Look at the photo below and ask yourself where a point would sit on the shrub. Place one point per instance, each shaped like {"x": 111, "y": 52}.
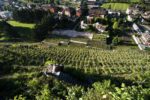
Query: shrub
{"x": 41, "y": 29}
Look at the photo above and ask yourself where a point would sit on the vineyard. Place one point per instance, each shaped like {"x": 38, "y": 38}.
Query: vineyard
{"x": 122, "y": 65}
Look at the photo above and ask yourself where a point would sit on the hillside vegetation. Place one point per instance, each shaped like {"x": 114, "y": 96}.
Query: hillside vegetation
{"x": 124, "y": 70}
{"x": 16, "y": 31}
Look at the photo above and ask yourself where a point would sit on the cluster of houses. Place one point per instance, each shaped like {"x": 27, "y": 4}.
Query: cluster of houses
{"x": 95, "y": 11}
{"x": 5, "y": 14}
{"x": 68, "y": 11}
{"x": 60, "y": 10}
{"x": 135, "y": 12}
{"x": 144, "y": 37}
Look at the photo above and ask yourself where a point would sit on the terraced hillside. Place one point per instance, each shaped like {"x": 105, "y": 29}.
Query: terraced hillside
{"x": 22, "y": 67}
{"x": 120, "y": 61}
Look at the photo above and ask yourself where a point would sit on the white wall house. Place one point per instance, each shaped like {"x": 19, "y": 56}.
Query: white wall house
{"x": 133, "y": 11}
{"x": 136, "y": 28}
{"x": 6, "y": 14}
{"x": 83, "y": 25}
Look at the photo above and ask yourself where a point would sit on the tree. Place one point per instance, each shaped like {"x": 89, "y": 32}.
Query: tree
{"x": 41, "y": 30}
{"x": 45, "y": 94}
{"x": 115, "y": 25}
{"x": 8, "y": 30}
{"x": 28, "y": 15}
{"x": 84, "y": 7}
{"x": 116, "y": 40}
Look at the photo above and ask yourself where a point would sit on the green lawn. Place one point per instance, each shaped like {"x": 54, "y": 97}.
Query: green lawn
{"x": 25, "y": 30}
{"x": 56, "y": 40}
{"x": 99, "y": 37}
{"x": 116, "y": 6}
{"x": 3, "y": 37}
{"x": 19, "y": 24}
{"x": 134, "y": 0}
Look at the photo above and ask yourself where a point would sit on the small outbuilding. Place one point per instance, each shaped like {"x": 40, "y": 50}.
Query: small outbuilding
{"x": 54, "y": 68}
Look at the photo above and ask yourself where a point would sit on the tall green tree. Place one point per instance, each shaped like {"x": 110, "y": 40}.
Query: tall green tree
{"x": 115, "y": 25}
{"x": 84, "y": 7}
{"x": 42, "y": 29}
{"x": 8, "y": 30}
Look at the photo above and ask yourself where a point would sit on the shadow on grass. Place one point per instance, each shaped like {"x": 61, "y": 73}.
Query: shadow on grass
{"x": 89, "y": 78}
{"x": 25, "y": 33}
{"x": 9, "y": 87}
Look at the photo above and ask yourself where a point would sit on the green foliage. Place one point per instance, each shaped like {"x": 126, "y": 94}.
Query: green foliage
{"x": 100, "y": 86}
{"x": 107, "y": 70}
{"x": 101, "y": 61}
{"x": 8, "y": 30}
{"x": 84, "y": 7}
{"x": 51, "y": 22}
{"x": 33, "y": 83}
{"x": 28, "y": 15}
{"x": 44, "y": 27}
{"x": 74, "y": 92}
{"x": 45, "y": 93}
{"x": 50, "y": 62}
{"x": 130, "y": 93}
{"x": 99, "y": 91}
{"x": 115, "y": 25}
{"x": 20, "y": 97}
{"x": 24, "y": 30}
{"x": 125, "y": 1}
{"x": 116, "y": 40}
{"x": 104, "y": 90}
{"x": 19, "y": 24}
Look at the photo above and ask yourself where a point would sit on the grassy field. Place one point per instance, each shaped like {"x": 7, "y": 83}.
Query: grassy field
{"x": 19, "y": 24}
{"x": 25, "y": 30}
{"x": 3, "y": 37}
{"x": 116, "y": 6}
{"x": 99, "y": 37}
{"x": 134, "y": 0}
